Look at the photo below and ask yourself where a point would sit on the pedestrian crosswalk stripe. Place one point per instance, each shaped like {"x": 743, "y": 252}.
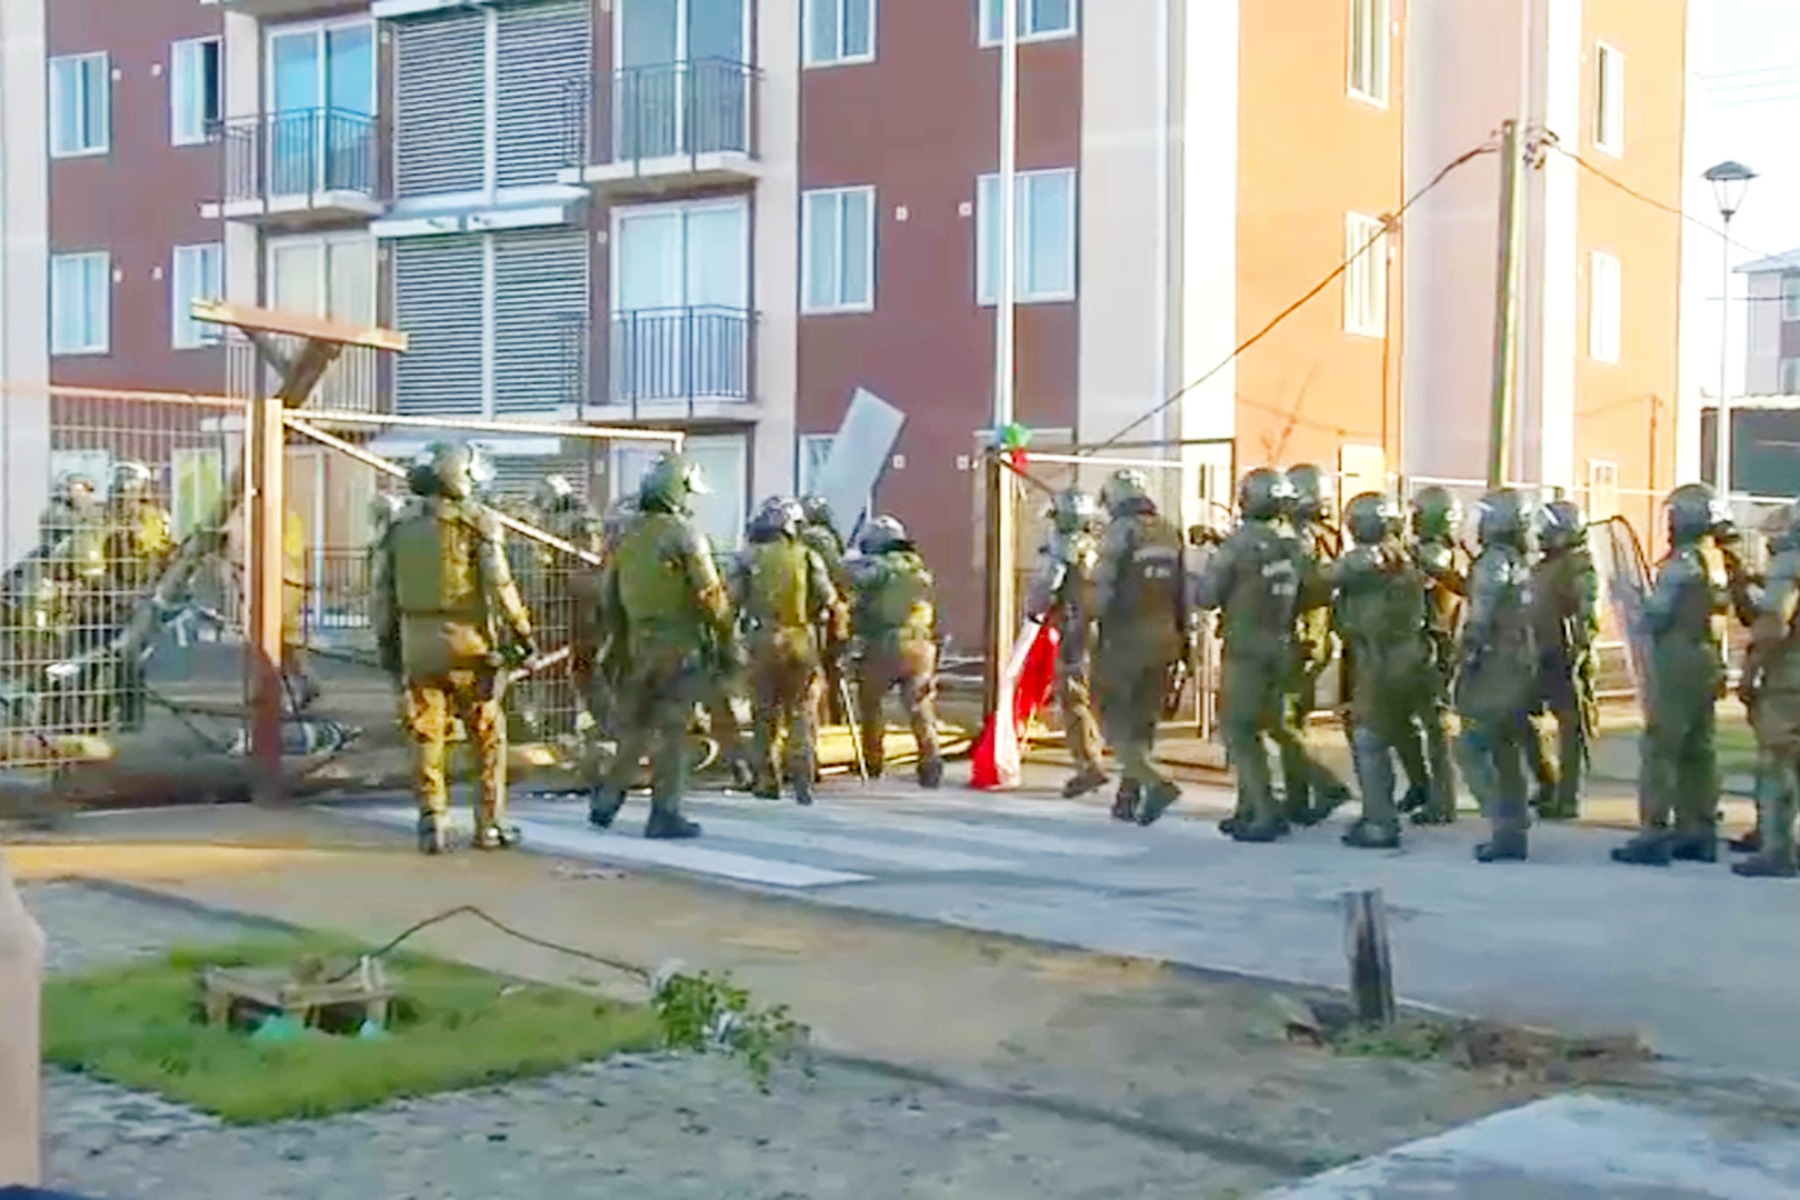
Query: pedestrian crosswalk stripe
{"x": 871, "y": 848}
{"x": 563, "y": 836}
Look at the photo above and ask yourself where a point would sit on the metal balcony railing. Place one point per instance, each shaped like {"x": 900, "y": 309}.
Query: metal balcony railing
{"x": 685, "y": 109}
{"x": 675, "y": 354}
{"x": 355, "y": 382}
{"x": 299, "y": 153}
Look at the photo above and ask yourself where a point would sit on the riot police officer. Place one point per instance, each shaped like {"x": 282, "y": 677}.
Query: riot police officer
{"x": 668, "y": 630}
{"x": 448, "y": 619}
{"x": 1770, "y": 690}
{"x": 1062, "y": 591}
{"x": 820, "y": 534}
{"x": 894, "y": 624}
{"x": 1445, "y": 565}
{"x": 1379, "y": 610}
{"x": 1678, "y": 783}
{"x": 1313, "y": 790}
{"x": 1565, "y": 598}
{"x": 1498, "y": 680}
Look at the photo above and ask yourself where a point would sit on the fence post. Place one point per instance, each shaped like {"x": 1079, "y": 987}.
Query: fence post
{"x": 1371, "y": 966}
{"x": 267, "y": 448}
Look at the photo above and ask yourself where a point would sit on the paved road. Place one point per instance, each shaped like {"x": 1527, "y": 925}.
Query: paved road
{"x": 1703, "y": 962}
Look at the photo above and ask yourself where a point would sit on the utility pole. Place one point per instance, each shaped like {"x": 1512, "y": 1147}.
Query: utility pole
{"x": 1002, "y": 582}
{"x": 1506, "y": 305}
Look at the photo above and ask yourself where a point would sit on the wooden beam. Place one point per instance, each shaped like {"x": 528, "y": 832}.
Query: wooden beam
{"x": 319, "y": 329}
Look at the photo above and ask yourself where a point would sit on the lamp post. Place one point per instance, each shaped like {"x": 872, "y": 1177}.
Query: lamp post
{"x": 1730, "y": 180}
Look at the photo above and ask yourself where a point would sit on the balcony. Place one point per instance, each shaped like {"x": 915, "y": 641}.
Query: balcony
{"x": 294, "y": 169}
{"x": 670, "y": 126}
{"x": 273, "y": 10}
{"x": 356, "y": 382}
{"x": 665, "y": 363}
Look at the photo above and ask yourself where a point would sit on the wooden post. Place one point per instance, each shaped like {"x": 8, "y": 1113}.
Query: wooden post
{"x": 21, "y": 1058}
{"x": 1506, "y": 305}
{"x": 1371, "y": 967}
{"x": 266, "y": 449}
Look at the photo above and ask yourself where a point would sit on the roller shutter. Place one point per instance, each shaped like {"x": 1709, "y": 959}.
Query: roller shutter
{"x": 544, "y": 76}
{"x": 440, "y": 119}
{"x": 540, "y": 319}
{"x": 438, "y": 305}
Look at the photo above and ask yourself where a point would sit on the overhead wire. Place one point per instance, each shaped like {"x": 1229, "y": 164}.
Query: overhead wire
{"x": 1389, "y": 222}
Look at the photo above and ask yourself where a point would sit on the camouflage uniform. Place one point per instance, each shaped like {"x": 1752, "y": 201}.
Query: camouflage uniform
{"x": 1565, "y": 598}
{"x": 1678, "y": 782}
{"x": 1256, "y": 577}
{"x": 140, "y": 542}
{"x": 447, "y": 617}
{"x": 1446, "y": 568}
{"x": 1062, "y": 591}
{"x": 569, "y": 583}
{"x": 1380, "y": 610}
{"x": 1770, "y": 690}
{"x": 668, "y": 629}
{"x": 894, "y": 624}
{"x": 784, "y": 594}
{"x": 820, "y": 535}
{"x": 1313, "y": 790}
{"x": 1497, "y": 683}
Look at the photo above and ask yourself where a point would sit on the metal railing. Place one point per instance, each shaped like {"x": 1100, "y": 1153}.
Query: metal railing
{"x": 356, "y": 382}
{"x": 664, "y": 354}
{"x": 299, "y": 153}
{"x": 667, "y": 110}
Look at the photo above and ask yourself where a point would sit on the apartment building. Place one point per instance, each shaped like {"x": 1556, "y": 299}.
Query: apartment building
{"x": 1772, "y": 350}
{"x": 727, "y": 215}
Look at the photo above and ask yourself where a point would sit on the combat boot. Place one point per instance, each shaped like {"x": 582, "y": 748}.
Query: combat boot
{"x": 931, "y": 773}
{"x": 1089, "y": 779}
{"x": 743, "y": 776}
{"x": 1256, "y": 831}
{"x": 1766, "y": 866}
{"x": 803, "y": 788}
{"x": 1695, "y": 847}
{"x": 1504, "y": 848}
{"x": 767, "y": 789}
{"x": 1645, "y": 850}
{"x": 670, "y": 825}
{"x": 1162, "y": 795}
{"x": 1750, "y": 843}
{"x": 1414, "y": 801}
{"x": 1332, "y": 796}
{"x": 495, "y": 837}
{"x": 1366, "y": 834}
{"x": 433, "y": 837}
{"x": 1125, "y": 801}
{"x": 1432, "y": 815}
{"x": 603, "y": 805}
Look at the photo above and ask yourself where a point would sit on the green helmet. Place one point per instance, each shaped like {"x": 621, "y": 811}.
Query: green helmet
{"x": 1694, "y": 512}
{"x": 1560, "y": 525}
{"x": 778, "y": 517}
{"x": 76, "y": 491}
{"x": 1127, "y": 491}
{"x": 1308, "y": 482}
{"x": 1781, "y": 528}
{"x": 1503, "y": 518}
{"x": 814, "y": 510}
{"x": 1072, "y": 510}
{"x": 1371, "y": 517}
{"x": 882, "y": 534}
{"x": 1264, "y": 494}
{"x": 669, "y": 483}
{"x": 457, "y": 470}
{"x": 1436, "y": 514}
{"x": 130, "y": 479}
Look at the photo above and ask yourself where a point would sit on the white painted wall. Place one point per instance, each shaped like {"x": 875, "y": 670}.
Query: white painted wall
{"x": 24, "y": 276}
{"x": 1547, "y": 454}
{"x": 777, "y": 247}
{"x": 243, "y": 74}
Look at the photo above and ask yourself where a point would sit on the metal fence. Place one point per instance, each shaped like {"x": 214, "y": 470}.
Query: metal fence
{"x": 299, "y": 153}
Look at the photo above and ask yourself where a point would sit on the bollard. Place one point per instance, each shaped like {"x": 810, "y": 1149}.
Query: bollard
{"x": 1371, "y": 967}
{"x": 21, "y": 1001}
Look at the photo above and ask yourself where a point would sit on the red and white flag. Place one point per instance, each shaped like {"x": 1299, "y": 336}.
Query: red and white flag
{"x": 1025, "y": 687}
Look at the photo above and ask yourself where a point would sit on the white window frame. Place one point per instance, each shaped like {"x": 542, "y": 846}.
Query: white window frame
{"x": 185, "y": 333}
{"x": 187, "y": 82}
{"x": 321, "y": 29}
{"x": 1365, "y": 275}
{"x": 1602, "y": 489}
{"x": 101, "y": 62}
{"x": 1374, "y": 84}
{"x": 1790, "y": 297}
{"x": 1788, "y": 377}
{"x": 838, "y": 302}
{"x": 1609, "y": 99}
{"x": 1606, "y": 300}
{"x": 98, "y": 321}
{"x": 989, "y": 14}
{"x": 323, "y": 242}
{"x": 838, "y": 58}
{"x": 987, "y": 275}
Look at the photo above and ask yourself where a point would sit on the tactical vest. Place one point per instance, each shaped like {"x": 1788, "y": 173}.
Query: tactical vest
{"x": 435, "y": 564}
{"x": 1381, "y": 608}
{"x": 1149, "y": 586}
{"x": 897, "y": 602}
{"x": 778, "y": 596}
{"x": 1260, "y": 607}
{"x": 652, "y": 571}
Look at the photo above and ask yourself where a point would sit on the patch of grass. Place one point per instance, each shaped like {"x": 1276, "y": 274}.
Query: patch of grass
{"x": 1413, "y": 1041}
{"x": 456, "y": 1027}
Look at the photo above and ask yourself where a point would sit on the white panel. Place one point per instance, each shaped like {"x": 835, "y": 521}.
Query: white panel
{"x": 776, "y": 236}
{"x": 1561, "y": 283}
{"x": 1208, "y": 187}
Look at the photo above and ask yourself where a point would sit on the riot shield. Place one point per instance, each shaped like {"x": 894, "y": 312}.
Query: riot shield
{"x": 1625, "y": 582}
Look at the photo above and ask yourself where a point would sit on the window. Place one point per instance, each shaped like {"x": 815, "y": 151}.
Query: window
{"x": 1604, "y": 299}
{"x": 1603, "y": 489}
{"x": 194, "y": 91}
{"x": 80, "y": 303}
{"x": 1038, "y": 19}
{"x": 1790, "y": 297}
{"x": 1790, "y": 377}
{"x": 838, "y": 262}
{"x": 1609, "y": 99}
{"x": 839, "y": 31}
{"x": 198, "y": 483}
{"x": 1043, "y": 237}
{"x": 1369, "y": 42}
{"x": 80, "y": 105}
{"x": 197, "y": 273}
{"x": 1365, "y": 278}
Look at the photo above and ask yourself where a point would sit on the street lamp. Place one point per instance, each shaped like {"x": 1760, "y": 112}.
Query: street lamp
{"x": 1730, "y": 180}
